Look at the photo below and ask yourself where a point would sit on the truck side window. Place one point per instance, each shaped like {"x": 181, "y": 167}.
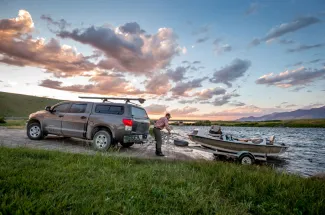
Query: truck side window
{"x": 62, "y": 108}
{"x": 109, "y": 109}
{"x": 78, "y": 108}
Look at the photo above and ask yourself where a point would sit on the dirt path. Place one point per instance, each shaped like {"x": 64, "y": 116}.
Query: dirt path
{"x": 18, "y": 138}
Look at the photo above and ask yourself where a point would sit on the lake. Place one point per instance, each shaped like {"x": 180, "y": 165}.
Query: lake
{"x": 305, "y": 155}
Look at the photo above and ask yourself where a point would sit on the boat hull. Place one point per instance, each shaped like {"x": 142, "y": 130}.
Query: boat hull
{"x": 271, "y": 150}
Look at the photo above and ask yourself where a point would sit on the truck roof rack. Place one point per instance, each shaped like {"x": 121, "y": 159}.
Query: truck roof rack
{"x": 127, "y": 100}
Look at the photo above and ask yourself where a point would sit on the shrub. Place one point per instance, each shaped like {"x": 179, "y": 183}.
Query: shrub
{"x": 2, "y": 119}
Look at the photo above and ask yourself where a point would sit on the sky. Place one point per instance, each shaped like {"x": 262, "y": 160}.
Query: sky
{"x": 214, "y": 60}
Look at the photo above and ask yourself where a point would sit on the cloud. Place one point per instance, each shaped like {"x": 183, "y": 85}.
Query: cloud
{"x": 252, "y": 8}
{"x": 158, "y": 84}
{"x": 183, "y": 111}
{"x": 231, "y": 72}
{"x": 289, "y": 78}
{"x": 313, "y": 105}
{"x": 131, "y": 28}
{"x": 298, "y": 63}
{"x": 237, "y": 104}
{"x": 316, "y": 60}
{"x": 244, "y": 111}
{"x": 309, "y": 91}
{"x": 284, "y": 28}
{"x": 290, "y": 106}
{"x": 286, "y": 42}
{"x": 19, "y": 48}
{"x": 23, "y": 24}
{"x": 297, "y": 89}
{"x": 103, "y": 85}
{"x": 177, "y": 74}
{"x": 196, "y": 62}
{"x": 305, "y": 47}
{"x": 209, "y": 93}
{"x": 127, "y": 48}
{"x": 293, "y": 26}
{"x": 254, "y": 42}
{"x": 185, "y": 61}
{"x": 284, "y": 103}
{"x": 201, "y": 30}
{"x": 156, "y": 109}
{"x": 61, "y": 24}
{"x": 202, "y": 40}
{"x": 186, "y": 101}
{"x": 181, "y": 88}
{"x": 219, "y": 101}
{"x": 223, "y": 48}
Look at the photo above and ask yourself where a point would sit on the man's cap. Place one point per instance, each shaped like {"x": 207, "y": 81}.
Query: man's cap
{"x": 168, "y": 114}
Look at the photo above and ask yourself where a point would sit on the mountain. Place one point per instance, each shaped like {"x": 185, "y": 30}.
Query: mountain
{"x": 314, "y": 113}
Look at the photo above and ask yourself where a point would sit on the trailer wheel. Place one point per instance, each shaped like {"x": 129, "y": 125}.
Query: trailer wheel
{"x": 246, "y": 159}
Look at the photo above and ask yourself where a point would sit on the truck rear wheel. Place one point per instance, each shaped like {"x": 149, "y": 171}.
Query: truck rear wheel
{"x": 34, "y": 131}
{"x": 102, "y": 140}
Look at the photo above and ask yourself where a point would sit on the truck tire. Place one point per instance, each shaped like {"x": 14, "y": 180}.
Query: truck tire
{"x": 34, "y": 131}
{"x": 126, "y": 145}
{"x": 246, "y": 159}
{"x": 102, "y": 140}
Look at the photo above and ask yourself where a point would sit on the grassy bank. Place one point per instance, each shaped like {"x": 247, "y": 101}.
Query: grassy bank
{"x": 17, "y": 105}
{"x": 299, "y": 123}
{"x": 51, "y": 182}
{"x": 14, "y": 123}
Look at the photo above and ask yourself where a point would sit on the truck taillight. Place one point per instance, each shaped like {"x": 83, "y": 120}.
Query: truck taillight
{"x": 128, "y": 122}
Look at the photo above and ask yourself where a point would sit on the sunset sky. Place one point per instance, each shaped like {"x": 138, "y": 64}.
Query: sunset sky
{"x": 217, "y": 60}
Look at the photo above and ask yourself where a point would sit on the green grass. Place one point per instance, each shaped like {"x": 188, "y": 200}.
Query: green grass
{"x": 17, "y": 105}
{"x": 44, "y": 182}
{"x": 14, "y": 123}
{"x": 298, "y": 123}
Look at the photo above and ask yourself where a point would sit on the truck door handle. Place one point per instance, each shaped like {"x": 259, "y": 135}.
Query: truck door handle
{"x": 83, "y": 117}
{"x": 61, "y": 115}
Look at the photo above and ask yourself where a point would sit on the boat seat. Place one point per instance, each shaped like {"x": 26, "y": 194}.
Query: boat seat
{"x": 257, "y": 141}
{"x": 272, "y": 138}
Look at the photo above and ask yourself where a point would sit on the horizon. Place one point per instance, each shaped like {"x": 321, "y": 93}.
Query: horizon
{"x": 226, "y": 62}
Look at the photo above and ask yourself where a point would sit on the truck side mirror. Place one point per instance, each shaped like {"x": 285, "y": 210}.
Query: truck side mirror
{"x": 48, "y": 108}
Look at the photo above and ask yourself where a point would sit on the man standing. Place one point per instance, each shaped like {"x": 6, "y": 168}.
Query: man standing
{"x": 159, "y": 125}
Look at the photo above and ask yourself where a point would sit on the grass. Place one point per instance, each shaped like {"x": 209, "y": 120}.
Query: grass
{"x": 17, "y": 105}
{"x": 298, "y": 123}
{"x": 14, "y": 123}
{"x": 47, "y": 182}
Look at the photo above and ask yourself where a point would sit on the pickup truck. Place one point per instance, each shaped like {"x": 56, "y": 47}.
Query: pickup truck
{"x": 105, "y": 123}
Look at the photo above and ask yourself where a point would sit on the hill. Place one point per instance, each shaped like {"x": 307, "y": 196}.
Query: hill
{"x": 314, "y": 113}
{"x": 17, "y": 105}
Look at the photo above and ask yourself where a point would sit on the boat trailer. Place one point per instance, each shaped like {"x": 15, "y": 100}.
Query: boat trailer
{"x": 243, "y": 157}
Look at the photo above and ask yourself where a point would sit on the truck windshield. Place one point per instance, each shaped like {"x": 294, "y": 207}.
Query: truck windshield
{"x": 139, "y": 112}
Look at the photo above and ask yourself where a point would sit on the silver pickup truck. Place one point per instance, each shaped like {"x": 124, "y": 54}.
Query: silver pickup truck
{"x": 105, "y": 123}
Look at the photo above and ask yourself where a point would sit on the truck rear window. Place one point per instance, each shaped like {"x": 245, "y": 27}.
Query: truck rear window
{"x": 139, "y": 112}
{"x": 109, "y": 109}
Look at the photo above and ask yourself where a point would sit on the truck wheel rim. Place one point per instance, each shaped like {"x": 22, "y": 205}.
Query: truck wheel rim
{"x": 101, "y": 141}
{"x": 35, "y": 131}
{"x": 246, "y": 160}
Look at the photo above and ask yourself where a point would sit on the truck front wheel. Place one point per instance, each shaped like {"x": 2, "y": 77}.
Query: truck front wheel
{"x": 34, "y": 131}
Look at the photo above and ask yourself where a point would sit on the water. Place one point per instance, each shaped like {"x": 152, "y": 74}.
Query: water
{"x": 305, "y": 155}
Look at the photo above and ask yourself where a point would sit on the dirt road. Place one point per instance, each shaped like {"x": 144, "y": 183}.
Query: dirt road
{"x": 18, "y": 138}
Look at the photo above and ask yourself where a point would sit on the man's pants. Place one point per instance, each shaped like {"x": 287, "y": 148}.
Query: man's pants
{"x": 157, "y": 134}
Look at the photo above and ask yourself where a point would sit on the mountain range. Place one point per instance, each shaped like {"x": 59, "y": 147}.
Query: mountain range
{"x": 314, "y": 113}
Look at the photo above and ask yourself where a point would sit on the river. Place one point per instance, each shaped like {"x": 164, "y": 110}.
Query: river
{"x": 305, "y": 155}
